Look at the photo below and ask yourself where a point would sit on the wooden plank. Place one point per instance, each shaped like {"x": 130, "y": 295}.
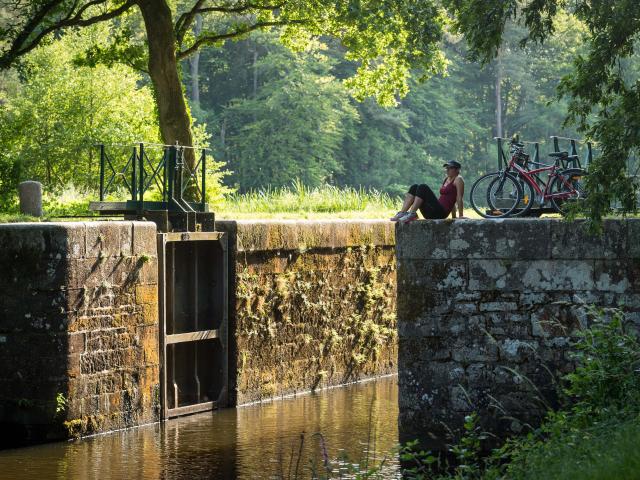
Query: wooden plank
{"x": 192, "y": 236}
{"x": 189, "y": 409}
{"x": 107, "y": 206}
{"x": 192, "y": 336}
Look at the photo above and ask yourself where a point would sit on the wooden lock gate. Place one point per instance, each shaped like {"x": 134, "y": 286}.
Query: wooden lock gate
{"x": 193, "y": 295}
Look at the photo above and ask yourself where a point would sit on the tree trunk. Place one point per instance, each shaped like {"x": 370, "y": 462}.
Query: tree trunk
{"x": 255, "y": 71}
{"x": 498, "y": 89}
{"x": 173, "y": 116}
{"x": 194, "y": 63}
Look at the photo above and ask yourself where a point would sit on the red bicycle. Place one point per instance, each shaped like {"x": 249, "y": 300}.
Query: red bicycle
{"x": 514, "y": 190}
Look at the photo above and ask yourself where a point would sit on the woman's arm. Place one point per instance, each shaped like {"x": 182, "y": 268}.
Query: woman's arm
{"x": 459, "y": 183}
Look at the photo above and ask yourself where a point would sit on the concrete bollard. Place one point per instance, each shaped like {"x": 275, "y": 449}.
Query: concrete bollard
{"x": 30, "y": 194}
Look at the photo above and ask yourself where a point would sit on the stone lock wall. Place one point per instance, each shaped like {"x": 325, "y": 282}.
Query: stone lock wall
{"x": 487, "y": 312}
{"x": 314, "y": 305}
{"x": 78, "y": 328}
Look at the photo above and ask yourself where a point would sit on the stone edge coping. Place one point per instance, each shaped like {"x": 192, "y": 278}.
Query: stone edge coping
{"x": 517, "y": 239}
{"x": 302, "y": 235}
{"x": 93, "y": 239}
{"x": 74, "y": 224}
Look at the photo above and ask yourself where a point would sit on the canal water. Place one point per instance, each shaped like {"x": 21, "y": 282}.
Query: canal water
{"x": 325, "y": 433}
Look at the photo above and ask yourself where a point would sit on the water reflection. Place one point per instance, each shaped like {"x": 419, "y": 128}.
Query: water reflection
{"x": 255, "y": 442}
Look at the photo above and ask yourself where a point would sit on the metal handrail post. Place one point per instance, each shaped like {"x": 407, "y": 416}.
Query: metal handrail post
{"x": 165, "y": 161}
{"x": 204, "y": 178}
{"x": 102, "y": 172}
{"x": 536, "y": 150}
{"x": 134, "y": 184}
{"x": 589, "y": 154}
{"x": 179, "y": 165}
{"x": 141, "y": 179}
{"x": 556, "y": 145}
{"x": 170, "y": 175}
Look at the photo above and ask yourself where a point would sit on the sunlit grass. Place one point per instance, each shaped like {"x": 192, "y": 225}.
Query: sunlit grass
{"x": 299, "y": 201}
{"x": 287, "y": 203}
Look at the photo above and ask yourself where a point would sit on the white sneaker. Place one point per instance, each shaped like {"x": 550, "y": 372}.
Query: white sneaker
{"x": 398, "y": 216}
{"x": 409, "y": 217}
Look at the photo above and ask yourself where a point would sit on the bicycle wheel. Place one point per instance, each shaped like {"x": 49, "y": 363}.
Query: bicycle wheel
{"x": 495, "y": 195}
{"x": 526, "y": 199}
{"x": 567, "y": 189}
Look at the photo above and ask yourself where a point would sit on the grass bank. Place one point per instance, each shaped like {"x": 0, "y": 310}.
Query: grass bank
{"x": 295, "y": 202}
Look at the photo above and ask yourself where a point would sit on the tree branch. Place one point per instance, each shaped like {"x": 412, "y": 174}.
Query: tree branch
{"x": 240, "y": 9}
{"x": 20, "y": 46}
{"x": 236, "y": 33}
{"x": 31, "y": 25}
{"x": 186, "y": 19}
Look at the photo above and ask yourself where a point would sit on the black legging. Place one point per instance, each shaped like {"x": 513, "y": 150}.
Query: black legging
{"x": 431, "y": 207}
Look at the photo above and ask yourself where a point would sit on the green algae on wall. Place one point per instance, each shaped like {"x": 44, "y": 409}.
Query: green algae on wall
{"x": 314, "y": 305}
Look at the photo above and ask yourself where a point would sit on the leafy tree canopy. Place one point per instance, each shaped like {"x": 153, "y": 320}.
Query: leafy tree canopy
{"x": 386, "y": 37}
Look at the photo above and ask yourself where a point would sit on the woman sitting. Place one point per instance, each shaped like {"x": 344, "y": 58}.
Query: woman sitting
{"x": 421, "y": 197}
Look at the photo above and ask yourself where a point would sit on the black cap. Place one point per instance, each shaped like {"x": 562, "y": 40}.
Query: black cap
{"x": 452, "y": 163}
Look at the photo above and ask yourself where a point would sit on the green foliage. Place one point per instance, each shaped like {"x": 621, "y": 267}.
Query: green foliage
{"x": 601, "y": 416}
{"x": 606, "y": 380}
{"x": 49, "y": 127}
{"x": 261, "y": 115}
{"x": 422, "y": 465}
{"x": 607, "y": 451}
{"x": 61, "y": 403}
{"x": 293, "y": 127}
{"x": 594, "y": 435}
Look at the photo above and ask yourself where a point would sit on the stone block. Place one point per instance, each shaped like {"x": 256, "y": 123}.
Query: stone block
{"x": 33, "y": 257}
{"x": 460, "y": 400}
{"x": 466, "y": 308}
{"x": 498, "y": 307}
{"x": 572, "y": 240}
{"x": 613, "y": 275}
{"x": 146, "y": 294}
{"x": 517, "y": 351}
{"x": 126, "y": 239}
{"x": 530, "y": 300}
{"x": 463, "y": 296}
{"x": 102, "y": 239}
{"x": 434, "y": 275}
{"x": 472, "y": 350}
{"x": 423, "y": 240}
{"x": 633, "y": 236}
{"x": 77, "y": 343}
{"x": 531, "y": 276}
{"x": 519, "y": 239}
{"x": 76, "y": 240}
{"x": 145, "y": 239}
{"x": 629, "y": 300}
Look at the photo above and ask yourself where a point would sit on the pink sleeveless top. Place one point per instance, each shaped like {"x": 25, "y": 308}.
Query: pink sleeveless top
{"x": 448, "y": 195}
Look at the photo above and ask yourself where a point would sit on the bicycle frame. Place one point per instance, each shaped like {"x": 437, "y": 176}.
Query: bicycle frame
{"x": 530, "y": 176}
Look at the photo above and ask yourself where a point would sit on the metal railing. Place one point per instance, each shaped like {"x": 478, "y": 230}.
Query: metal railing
{"x": 181, "y": 184}
{"x": 534, "y": 153}
{"x": 573, "y": 149}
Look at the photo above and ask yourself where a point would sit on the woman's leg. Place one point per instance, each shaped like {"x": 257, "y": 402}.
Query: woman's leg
{"x": 409, "y": 198}
{"x": 429, "y": 206}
